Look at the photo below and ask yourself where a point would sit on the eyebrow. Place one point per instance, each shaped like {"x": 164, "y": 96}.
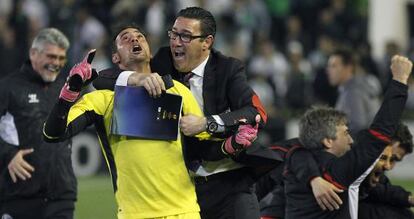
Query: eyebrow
{"x": 184, "y": 31}
{"x": 127, "y": 32}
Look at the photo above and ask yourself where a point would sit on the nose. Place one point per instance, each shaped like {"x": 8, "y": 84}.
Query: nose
{"x": 175, "y": 42}
{"x": 351, "y": 140}
{"x": 134, "y": 39}
{"x": 56, "y": 61}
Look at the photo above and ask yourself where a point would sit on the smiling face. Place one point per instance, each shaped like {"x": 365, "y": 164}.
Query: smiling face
{"x": 131, "y": 48}
{"x": 383, "y": 164}
{"x": 187, "y": 56}
{"x": 398, "y": 153}
{"x": 48, "y": 61}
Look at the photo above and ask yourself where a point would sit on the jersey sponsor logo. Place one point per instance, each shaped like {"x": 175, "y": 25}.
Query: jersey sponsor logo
{"x": 33, "y": 98}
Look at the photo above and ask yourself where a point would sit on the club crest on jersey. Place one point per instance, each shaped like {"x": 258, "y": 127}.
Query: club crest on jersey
{"x": 33, "y": 98}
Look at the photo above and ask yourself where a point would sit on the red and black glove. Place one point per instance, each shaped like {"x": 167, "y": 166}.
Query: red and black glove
{"x": 80, "y": 76}
{"x": 244, "y": 137}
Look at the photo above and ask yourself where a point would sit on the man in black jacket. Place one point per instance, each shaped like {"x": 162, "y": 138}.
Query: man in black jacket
{"x": 37, "y": 179}
{"x": 378, "y": 197}
{"x": 324, "y": 132}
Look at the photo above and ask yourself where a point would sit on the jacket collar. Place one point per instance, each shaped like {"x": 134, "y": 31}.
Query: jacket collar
{"x": 31, "y": 74}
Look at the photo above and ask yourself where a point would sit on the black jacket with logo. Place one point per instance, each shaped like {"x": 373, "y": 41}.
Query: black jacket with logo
{"x": 26, "y": 101}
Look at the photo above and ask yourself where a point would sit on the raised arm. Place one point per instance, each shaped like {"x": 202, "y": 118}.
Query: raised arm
{"x": 370, "y": 144}
{"x": 56, "y": 127}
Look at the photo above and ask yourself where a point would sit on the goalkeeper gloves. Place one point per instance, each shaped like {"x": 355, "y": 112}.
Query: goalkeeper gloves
{"x": 244, "y": 137}
{"x": 80, "y": 76}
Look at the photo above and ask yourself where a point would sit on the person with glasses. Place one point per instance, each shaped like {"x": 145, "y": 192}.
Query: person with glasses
{"x": 37, "y": 179}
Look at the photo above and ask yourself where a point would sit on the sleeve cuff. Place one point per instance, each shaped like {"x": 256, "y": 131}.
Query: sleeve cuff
{"x": 123, "y": 78}
{"x": 220, "y": 122}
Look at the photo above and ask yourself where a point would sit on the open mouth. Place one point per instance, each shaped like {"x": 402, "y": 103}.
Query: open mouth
{"x": 376, "y": 177}
{"x": 136, "y": 49}
{"x": 179, "y": 54}
{"x": 52, "y": 68}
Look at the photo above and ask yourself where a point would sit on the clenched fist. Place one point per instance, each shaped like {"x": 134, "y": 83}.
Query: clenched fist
{"x": 401, "y": 68}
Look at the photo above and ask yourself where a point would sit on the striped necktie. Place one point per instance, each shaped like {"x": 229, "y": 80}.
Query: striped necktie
{"x": 186, "y": 79}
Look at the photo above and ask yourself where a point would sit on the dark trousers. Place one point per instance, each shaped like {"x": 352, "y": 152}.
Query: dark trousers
{"x": 37, "y": 209}
{"x": 227, "y": 195}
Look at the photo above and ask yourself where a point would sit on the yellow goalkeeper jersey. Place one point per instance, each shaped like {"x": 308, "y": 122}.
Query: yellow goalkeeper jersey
{"x": 149, "y": 176}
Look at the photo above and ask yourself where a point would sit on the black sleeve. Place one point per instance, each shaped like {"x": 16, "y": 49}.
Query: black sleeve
{"x": 370, "y": 143}
{"x": 268, "y": 182}
{"x": 56, "y": 128}
{"x": 205, "y": 150}
{"x": 7, "y": 150}
{"x": 389, "y": 194}
{"x": 106, "y": 79}
{"x": 244, "y": 103}
{"x": 303, "y": 165}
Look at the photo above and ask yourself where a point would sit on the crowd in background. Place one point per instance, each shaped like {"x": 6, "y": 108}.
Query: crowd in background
{"x": 285, "y": 43}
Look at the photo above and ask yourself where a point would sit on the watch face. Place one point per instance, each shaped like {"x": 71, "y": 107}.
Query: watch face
{"x": 212, "y": 127}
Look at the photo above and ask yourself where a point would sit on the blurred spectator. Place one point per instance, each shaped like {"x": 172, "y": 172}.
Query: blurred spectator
{"x": 38, "y": 14}
{"x": 294, "y": 32}
{"x": 391, "y": 48}
{"x": 323, "y": 92}
{"x": 358, "y": 92}
{"x": 19, "y": 22}
{"x": 366, "y": 60}
{"x": 271, "y": 64}
{"x": 155, "y": 22}
{"x": 7, "y": 48}
{"x": 88, "y": 33}
{"x": 299, "y": 92}
{"x": 278, "y": 11}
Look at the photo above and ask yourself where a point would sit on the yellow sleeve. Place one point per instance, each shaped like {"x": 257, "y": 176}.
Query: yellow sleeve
{"x": 96, "y": 101}
{"x": 190, "y": 105}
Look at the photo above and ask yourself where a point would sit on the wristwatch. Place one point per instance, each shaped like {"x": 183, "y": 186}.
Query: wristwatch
{"x": 211, "y": 125}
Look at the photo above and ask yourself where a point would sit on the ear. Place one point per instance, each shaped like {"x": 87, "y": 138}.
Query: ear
{"x": 32, "y": 53}
{"x": 327, "y": 143}
{"x": 115, "y": 58}
{"x": 208, "y": 42}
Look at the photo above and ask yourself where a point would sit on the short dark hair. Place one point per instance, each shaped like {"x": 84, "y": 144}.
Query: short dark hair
{"x": 346, "y": 55}
{"x": 404, "y": 136}
{"x": 318, "y": 123}
{"x": 118, "y": 29}
{"x": 207, "y": 21}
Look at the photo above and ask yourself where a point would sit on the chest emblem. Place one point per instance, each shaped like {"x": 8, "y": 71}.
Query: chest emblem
{"x": 33, "y": 98}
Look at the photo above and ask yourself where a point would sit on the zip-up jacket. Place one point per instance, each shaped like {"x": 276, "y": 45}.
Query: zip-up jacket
{"x": 26, "y": 101}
